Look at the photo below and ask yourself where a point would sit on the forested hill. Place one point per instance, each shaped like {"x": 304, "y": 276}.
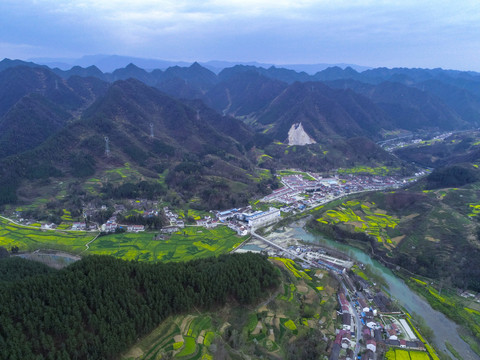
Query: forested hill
{"x": 98, "y": 307}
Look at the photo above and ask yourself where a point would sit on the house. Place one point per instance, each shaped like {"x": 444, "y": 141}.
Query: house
{"x": 343, "y": 339}
{"x": 346, "y": 342}
{"x": 343, "y": 302}
{"x": 403, "y": 343}
{"x": 240, "y": 229}
{"x": 363, "y": 305}
{"x": 415, "y": 345}
{"x": 109, "y": 226}
{"x": 180, "y": 223}
{"x": 347, "y": 321}
{"x": 135, "y": 228}
{"x": 202, "y": 222}
{"x": 372, "y": 324}
{"x": 79, "y": 226}
{"x": 169, "y": 229}
{"x": 225, "y": 215}
{"x": 392, "y": 342}
{"x": 394, "y": 327}
{"x": 368, "y": 315}
{"x": 392, "y": 334}
{"x": 371, "y": 345}
{"x": 49, "y": 226}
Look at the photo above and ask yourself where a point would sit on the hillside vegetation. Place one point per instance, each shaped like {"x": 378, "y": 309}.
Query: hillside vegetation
{"x": 98, "y": 307}
{"x": 294, "y": 323}
{"x": 434, "y": 233}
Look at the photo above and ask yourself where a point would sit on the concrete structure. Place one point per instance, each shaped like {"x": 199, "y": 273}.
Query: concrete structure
{"x": 407, "y": 329}
{"x": 262, "y": 218}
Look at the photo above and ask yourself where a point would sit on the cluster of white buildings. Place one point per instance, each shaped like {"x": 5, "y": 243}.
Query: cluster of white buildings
{"x": 246, "y": 218}
{"x": 173, "y": 218}
{"x": 321, "y": 189}
{"x": 111, "y": 226}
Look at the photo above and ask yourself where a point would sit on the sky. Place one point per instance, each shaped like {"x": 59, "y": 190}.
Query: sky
{"x": 407, "y": 33}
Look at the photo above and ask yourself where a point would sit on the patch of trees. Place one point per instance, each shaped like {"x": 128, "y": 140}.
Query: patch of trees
{"x": 15, "y": 268}
{"x": 4, "y": 253}
{"x": 451, "y": 176}
{"x": 307, "y": 346}
{"x": 99, "y": 306}
{"x": 82, "y": 165}
{"x": 150, "y": 222}
{"x": 161, "y": 148}
{"x": 144, "y": 190}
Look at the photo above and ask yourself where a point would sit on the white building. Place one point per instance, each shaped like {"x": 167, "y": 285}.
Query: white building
{"x": 135, "y": 228}
{"x": 372, "y": 345}
{"x": 263, "y": 218}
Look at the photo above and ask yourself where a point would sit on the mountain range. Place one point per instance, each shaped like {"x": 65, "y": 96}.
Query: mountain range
{"x": 109, "y": 63}
{"x": 212, "y": 136}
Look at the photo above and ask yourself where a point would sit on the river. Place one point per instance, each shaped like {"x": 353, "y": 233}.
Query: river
{"x": 444, "y": 328}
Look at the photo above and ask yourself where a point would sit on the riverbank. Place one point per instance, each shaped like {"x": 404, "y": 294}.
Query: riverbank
{"x": 450, "y": 304}
{"x": 445, "y": 330}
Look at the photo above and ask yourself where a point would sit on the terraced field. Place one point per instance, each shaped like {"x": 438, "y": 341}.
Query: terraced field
{"x": 360, "y": 218}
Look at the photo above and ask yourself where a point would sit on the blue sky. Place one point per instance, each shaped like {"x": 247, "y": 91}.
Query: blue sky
{"x": 373, "y": 33}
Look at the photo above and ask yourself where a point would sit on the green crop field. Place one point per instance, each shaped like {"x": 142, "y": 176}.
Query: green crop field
{"x": 189, "y": 243}
{"x": 398, "y": 354}
{"x": 362, "y": 219}
{"x": 380, "y": 170}
{"x": 28, "y": 239}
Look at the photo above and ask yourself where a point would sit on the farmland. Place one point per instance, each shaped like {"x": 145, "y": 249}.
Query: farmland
{"x": 190, "y": 243}
{"x": 359, "y": 217}
{"x": 30, "y": 239}
{"x": 271, "y": 329}
{"x": 380, "y": 170}
{"x": 398, "y": 354}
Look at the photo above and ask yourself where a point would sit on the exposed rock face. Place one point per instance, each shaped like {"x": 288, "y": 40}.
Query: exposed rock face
{"x": 298, "y": 136}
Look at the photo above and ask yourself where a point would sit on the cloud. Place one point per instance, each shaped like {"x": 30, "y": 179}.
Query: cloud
{"x": 366, "y": 31}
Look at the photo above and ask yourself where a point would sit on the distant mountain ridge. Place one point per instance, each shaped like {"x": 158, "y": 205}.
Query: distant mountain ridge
{"x": 410, "y": 99}
{"x": 109, "y": 63}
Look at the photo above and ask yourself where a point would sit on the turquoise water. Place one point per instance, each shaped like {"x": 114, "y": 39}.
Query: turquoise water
{"x": 444, "y": 328}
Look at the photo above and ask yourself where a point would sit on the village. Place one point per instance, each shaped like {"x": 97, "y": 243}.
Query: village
{"x": 369, "y": 322}
{"x": 300, "y": 191}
